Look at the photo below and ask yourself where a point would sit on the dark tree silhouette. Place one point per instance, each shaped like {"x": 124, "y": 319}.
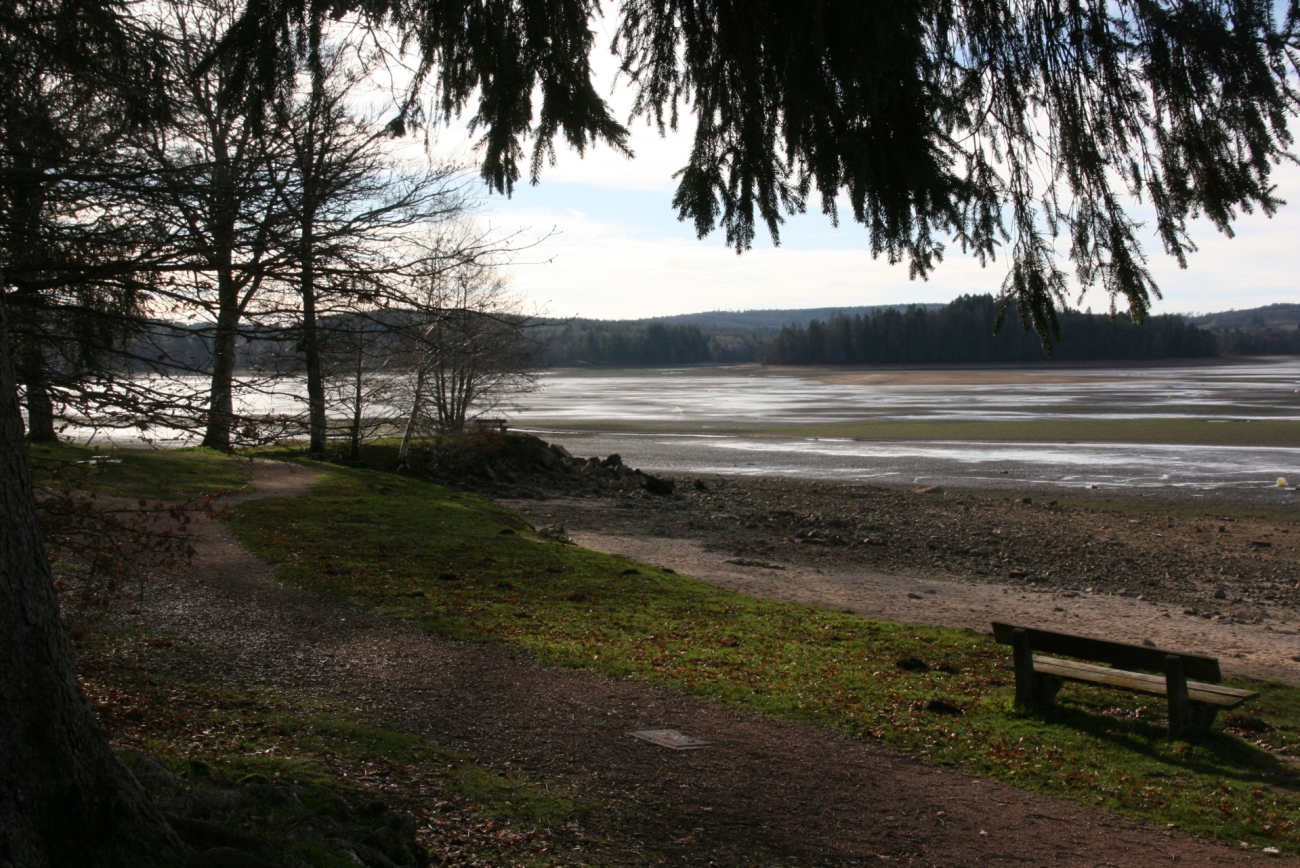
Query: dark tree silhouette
{"x": 996, "y": 123}
{"x": 66, "y": 798}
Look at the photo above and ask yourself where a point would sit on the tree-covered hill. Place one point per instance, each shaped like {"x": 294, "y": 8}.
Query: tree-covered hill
{"x": 962, "y": 332}
{"x": 956, "y": 333}
{"x": 1270, "y": 316}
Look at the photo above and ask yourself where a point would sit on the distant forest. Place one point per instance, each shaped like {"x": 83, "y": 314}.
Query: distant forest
{"x": 962, "y": 332}
{"x": 655, "y": 343}
{"x": 956, "y": 333}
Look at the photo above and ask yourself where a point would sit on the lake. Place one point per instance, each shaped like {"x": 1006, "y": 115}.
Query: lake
{"x": 758, "y": 421}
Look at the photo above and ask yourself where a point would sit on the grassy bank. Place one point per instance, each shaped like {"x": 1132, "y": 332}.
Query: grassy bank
{"x": 172, "y": 474}
{"x": 463, "y": 567}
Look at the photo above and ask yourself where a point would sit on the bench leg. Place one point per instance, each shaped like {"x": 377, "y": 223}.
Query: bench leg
{"x": 1180, "y": 706}
{"x": 1033, "y": 691}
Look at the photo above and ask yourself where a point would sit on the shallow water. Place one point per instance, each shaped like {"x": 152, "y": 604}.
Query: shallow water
{"x": 1247, "y": 473}
{"x": 696, "y": 401}
{"x": 1255, "y": 391}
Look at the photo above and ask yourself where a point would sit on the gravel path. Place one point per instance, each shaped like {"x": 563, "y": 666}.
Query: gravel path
{"x": 767, "y": 789}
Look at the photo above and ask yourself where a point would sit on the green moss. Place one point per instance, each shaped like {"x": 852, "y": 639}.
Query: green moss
{"x": 463, "y": 567}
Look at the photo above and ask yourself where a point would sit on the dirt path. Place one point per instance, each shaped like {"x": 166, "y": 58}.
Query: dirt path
{"x": 778, "y": 791}
{"x": 1251, "y": 650}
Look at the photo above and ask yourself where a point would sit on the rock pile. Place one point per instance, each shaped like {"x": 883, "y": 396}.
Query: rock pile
{"x": 521, "y": 465}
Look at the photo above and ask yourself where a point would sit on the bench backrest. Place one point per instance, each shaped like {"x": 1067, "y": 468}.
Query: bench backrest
{"x": 1139, "y": 657}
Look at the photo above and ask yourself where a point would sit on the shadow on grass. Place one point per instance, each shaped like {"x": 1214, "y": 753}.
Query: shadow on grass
{"x": 1212, "y": 753}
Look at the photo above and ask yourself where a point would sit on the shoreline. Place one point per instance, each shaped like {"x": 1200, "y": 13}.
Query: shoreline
{"x": 1211, "y": 582}
{"x": 1142, "y": 431}
{"x": 1186, "y": 474}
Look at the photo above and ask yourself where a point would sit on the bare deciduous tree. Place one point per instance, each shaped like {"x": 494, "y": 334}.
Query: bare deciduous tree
{"x": 351, "y": 201}
{"x": 217, "y": 170}
{"x": 469, "y": 353}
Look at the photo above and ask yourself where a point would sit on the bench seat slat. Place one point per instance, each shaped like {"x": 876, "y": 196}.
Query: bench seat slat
{"x": 1139, "y": 682}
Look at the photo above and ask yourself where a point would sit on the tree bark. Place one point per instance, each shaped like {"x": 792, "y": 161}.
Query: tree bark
{"x": 40, "y": 407}
{"x": 66, "y": 798}
{"x": 316, "y": 421}
{"x": 221, "y": 406}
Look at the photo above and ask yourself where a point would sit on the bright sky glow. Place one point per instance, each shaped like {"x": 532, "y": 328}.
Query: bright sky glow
{"x": 619, "y": 252}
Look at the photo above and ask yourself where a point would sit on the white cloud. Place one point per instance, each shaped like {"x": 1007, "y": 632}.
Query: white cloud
{"x": 612, "y": 262}
{"x": 609, "y": 271}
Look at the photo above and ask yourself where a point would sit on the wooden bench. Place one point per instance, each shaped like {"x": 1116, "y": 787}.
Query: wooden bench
{"x": 1192, "y": 704}
{"x": 486, "y": 424}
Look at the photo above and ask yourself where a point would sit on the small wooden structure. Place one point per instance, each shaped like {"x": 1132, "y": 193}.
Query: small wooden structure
{"x": 1192, "y": 704}
{"x": 495, "y": 424}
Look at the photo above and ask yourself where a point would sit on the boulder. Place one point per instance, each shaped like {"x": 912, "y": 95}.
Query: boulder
{"x": 655, "y": 485}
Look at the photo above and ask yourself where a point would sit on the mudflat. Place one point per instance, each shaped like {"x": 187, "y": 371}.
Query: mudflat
{"x": 964, "y": 378}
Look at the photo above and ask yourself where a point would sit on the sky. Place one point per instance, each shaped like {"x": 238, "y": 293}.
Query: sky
{"x": 614, "y": 248}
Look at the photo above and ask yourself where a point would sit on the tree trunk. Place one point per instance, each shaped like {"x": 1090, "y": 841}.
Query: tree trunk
{"x": 309, "y": 170}
{"x": 357, "y": 383}
{"x": 40, "y": 408}
{"x": 316, "y": 421}
{"x": 221, "y": 412}
{"x": 416, "y": 403}
{"x": 221, "y": 406}
{"x": 66, "y": 799}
